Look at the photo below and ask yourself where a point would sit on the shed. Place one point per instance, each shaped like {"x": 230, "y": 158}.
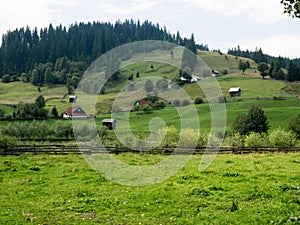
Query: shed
{"x": 72, "y": 99}
{"x": 235, "y": 92}
{"x": 109, "y": 123}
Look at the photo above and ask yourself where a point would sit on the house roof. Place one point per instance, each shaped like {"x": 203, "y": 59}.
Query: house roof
{"x": 142, "y": 102}
{"x": 108, "y": 121}
{"x": 236, "y": 89}
{"x": 74, "y": 110}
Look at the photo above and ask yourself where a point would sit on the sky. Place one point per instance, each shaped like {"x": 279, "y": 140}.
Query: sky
{"x": 221, "y": 24}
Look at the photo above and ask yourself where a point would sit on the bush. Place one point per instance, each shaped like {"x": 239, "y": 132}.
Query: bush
{"x": 279, "y": 137}
{"x": 235, "y": 140}
{"x": 159, "y": 105}
{"x": 202, "y": 139}
{"x": 295, "y": 125}
{"x": 189, "y": 138}
{"x": 225, "y": 72}
{"x": 185, "y": 102}
{"x": 170, "y": 135}
{"x": 198, "y": 100}
{"x": 14, "y": 78}
{"x": 222, "y": 99}
{"x": 7, "y": 140}
{"x": 6, "y": 78}
{"x": 255, "y": 140}
{"x": 176, "y": 102}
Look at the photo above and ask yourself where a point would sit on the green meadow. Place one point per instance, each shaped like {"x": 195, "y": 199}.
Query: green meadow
{"x": 234, "y": 189}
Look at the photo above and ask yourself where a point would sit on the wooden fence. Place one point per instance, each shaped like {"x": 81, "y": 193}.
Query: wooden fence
{"x": 65, "y": 149}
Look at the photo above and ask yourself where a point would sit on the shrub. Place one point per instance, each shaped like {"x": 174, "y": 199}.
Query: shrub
{"x": 295, "y": 125}
{"x": 14, "y": 78}
{"x": 225, "y": 72}
{"x": 146, "y": 109}
{"x": 159, "y": 105}
{"x": 255, "y": 140}
{"x": 63, "y": 130}
{"x": 189, "y": 138}
{"x": 176, "y": 102}
{"x": 235, "y": 140}
{"x": 198, "y": 100}
{"x": 185, "y": 102}
{"x": 170, "y": 135}
{"x": 202, "y": 139}
{"x": 222, "y": 99}
{"x": 279, "y": 137}
{"x": 6, "y": 78}
{"x": 7, "y": 140}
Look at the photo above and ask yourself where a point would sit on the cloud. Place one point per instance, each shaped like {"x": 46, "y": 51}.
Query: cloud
{"x": 263, "y": 12}
{"x": 276, "y": 45}
{"x": 18, "y": 13}
{"x": 120, "y": 9}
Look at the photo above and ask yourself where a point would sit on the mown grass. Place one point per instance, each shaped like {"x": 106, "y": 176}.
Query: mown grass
{"x": 7, "y": 109}
{"x": 253, "y": 87}
{"x": 221, "y": 62}
{"x": 13, "y": 93}
{"x": 44, "y": 189}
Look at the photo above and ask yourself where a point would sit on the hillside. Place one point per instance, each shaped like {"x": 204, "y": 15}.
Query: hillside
{"x": 255, "y": 91}
{"x": 251, "y": 83}
{"x": 225, "y": 62}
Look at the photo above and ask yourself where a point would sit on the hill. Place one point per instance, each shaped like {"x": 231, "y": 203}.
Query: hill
{"x": 255, "y": 91}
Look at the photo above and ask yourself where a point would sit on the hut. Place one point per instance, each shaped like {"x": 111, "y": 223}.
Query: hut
{"x": 235, "y": 92}
{"x": 109, "y": 123}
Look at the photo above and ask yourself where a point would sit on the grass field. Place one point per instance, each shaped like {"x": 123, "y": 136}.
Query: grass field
{"x": 223, "y": 62}
{"x": 13, "y": 93}
{"x": 45, "y": 189}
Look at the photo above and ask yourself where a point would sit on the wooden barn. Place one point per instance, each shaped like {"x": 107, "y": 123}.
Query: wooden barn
{"x": 235, "y": 92}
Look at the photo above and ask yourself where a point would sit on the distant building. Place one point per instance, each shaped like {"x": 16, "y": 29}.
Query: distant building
{"x": 141, "y": 102}
{"x": 215, "y": 73}
{"x": 109, "y": 123}
{"x": 75, "y": 113}
{"x": 72, "y": 99}
{"x": 235, "y": 92}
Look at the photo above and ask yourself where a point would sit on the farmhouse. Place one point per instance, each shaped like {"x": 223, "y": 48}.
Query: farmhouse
{"x": 141, "y": 102}
{"x": 109, "y": 123}
{"x": 75, "y": 113}
{"x": 235, "y": 92}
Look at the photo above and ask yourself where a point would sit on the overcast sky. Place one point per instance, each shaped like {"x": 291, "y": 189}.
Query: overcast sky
{"x": 221, "y": 24}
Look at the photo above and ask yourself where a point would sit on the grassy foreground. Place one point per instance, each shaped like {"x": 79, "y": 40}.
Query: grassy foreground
{"x": 44, "y": 189}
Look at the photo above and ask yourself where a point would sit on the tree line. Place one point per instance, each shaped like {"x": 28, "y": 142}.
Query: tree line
{"x": 281, "y": 68}
{"x": 60, "y": 55}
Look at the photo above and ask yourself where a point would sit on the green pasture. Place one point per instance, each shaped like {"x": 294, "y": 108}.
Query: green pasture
{"x": 221, "y": 62}
{"x": 13, "y": 93}
{"x": 253, "y": 87}
{"x": 7, "y": 109}
{"x": 234, "y": 189}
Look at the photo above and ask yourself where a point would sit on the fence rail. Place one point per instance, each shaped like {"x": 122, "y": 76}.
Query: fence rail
{"x": 63, "y": 149}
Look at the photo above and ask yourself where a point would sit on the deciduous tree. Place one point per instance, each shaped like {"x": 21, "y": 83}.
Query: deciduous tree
{"x": 262, "y": 68}
{"x": 292, "y": 7}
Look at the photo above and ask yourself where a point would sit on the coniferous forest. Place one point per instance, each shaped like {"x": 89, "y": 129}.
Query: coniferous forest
{"x": 59, "y": 55}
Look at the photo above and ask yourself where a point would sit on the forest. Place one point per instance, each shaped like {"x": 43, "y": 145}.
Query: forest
{"x": 59, "y": 55}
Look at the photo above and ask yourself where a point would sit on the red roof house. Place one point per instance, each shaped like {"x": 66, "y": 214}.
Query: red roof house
{"x": 75, "y": 113}
{"x": 142, "y": 102}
